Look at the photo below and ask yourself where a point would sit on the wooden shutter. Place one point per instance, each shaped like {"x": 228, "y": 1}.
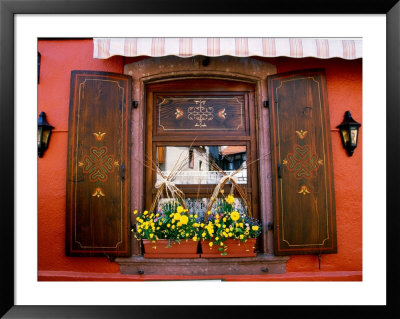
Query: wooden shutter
{"x": 98, "y": 166}
{"x": 302, "y": 171}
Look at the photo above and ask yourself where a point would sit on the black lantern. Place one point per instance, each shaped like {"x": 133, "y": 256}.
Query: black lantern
{"x": 349, "y": 133}
{"x": 43, "y": 134}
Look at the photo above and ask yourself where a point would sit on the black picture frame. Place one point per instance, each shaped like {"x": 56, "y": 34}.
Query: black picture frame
{"x": 8, "y": 10}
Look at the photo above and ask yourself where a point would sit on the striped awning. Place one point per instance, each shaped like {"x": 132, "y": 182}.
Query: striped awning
{"x": 322, "y": 48}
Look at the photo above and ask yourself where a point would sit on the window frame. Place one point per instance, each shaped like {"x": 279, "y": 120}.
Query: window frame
{"x": 204, "y": 86}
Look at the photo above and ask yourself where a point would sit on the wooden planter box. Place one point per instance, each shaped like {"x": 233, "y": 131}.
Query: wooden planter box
{"x": 162, "y": 248}
{"x": 236, "y": 248}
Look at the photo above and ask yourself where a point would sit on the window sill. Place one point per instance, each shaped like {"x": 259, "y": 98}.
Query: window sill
{"x": 261, "y": 264}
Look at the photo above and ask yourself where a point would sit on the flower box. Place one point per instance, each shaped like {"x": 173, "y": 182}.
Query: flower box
{"x": 232, "y": 248}
{"x": 164, "y": 248}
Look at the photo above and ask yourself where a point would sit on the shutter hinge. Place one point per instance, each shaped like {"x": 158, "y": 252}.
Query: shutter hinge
{"x": 135, "y": 104}
{"x": 279, "y": 171}
{"x": 270, "y": 226}
{"x": 266, "y": 103}
{"x": 122, "y": 172}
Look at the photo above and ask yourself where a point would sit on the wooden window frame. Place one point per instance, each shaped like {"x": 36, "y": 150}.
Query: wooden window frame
{"x": 209, "y": 87}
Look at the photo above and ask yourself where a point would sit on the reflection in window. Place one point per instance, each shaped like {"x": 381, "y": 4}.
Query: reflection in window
{"x": 198, "y": 163}
{"x": 200, "y": 205}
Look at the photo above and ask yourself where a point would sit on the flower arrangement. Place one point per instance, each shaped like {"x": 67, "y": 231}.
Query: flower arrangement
{"x": 171, "y": 221}
{"x": 228, "y": 222}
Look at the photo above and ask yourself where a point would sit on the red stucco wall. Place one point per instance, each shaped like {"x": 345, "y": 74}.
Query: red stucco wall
{"x": 58, "y": 58}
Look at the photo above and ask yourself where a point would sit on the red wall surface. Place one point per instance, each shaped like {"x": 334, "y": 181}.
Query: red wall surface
{"x": 59, "y": 57}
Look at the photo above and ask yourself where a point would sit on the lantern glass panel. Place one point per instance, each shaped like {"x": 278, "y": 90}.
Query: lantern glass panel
{"x": 46, "y": 136}
{"x": 39, "y": 134}
{"x": 353, "y": 133}
{"x": 345, "y": 136}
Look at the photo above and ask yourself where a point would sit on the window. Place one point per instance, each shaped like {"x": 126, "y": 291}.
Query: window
{"x": 207, "y": 126}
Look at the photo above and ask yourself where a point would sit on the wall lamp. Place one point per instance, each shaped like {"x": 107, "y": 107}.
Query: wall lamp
{"x": 43, "y": 134}
{"x": 349, "y": 133}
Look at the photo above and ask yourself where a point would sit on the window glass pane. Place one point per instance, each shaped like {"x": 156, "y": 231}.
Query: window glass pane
{"x": 199, "y": 164}
{"x": 200, "y": 205}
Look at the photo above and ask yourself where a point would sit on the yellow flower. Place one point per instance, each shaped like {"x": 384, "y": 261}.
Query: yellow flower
{"x": 235, "y": 215}
{"x": 208, "y": 213}
{"x": 203, "y": 234}
{"x": 135, "y": 212}
{"x": 195, "y": 216}
{"x": 216, "y": 238}
{"x": 173, "y": 221}
{"x": 139, "y": 231}
{"x": 187, "y": 235}
{"x": 173, "y": 227}
{"x": 230, "y": 234}
{"x": 151, "y": 235}
{"x": 168, "y": 225}
{"x": 224, "y": 219}
{"x": 145, "y": 212}
{"x": 194, "y": 238}
{"x": 177, "y": 216}
{"x": 210, "y": 244}
{"x": 230, "y": 199}
{"x": 179, "y": 209}
{"x": 184, "y": 220}
{"x": 221, "y": 243}
{"x": 241, "y": 236}
{"x": 254, "y": 227}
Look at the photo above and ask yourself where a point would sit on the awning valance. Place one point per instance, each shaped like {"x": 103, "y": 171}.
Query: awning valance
{"x": 322, "y": 48}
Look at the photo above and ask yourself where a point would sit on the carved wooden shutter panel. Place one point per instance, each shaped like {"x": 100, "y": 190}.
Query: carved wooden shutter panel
{"x": 98, "y": 166}
{"x": 302, "y": 170}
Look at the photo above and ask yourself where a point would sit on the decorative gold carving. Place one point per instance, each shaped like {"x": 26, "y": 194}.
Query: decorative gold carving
{"x": 200, "y": 113}
{"x": 179, "y": 113}
{"x": 302, "y": 134}
{"x": 222, "y": 114}
{"x": 200, "y": 116}
{"x": 98, "y": 192}
{"x": 304, "y": 190}
{"x": 99, "y": 136}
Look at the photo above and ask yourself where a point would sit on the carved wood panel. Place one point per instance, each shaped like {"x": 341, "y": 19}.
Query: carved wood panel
{"x": 200, "y": 113}
{"x": 303, "y": 188}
